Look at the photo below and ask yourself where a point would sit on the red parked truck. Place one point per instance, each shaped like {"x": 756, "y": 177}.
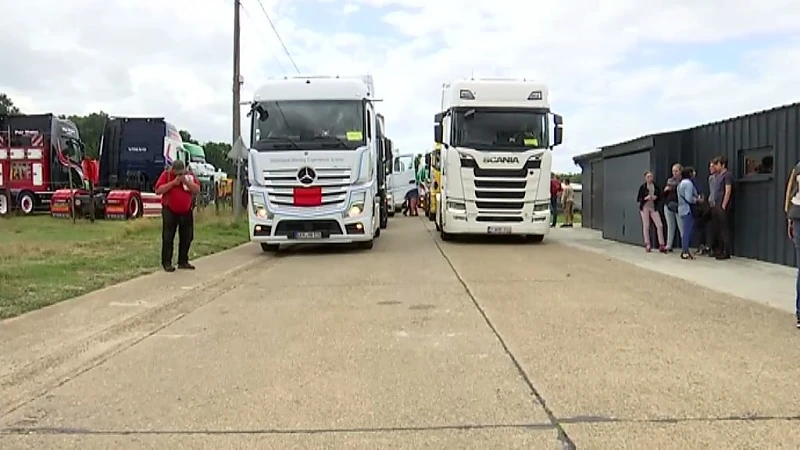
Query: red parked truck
{"x": 39, "y": 154}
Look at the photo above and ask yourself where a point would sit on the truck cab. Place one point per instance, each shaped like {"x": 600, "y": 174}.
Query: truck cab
{"x": 39, "y": 154}
{"x": 133, "y": 153}
{"x": 497, "y": 137}
{"x": 433, "y": 161}
{"x": 315, "y": 154}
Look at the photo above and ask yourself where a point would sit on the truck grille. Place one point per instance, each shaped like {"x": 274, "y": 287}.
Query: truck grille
{"x": 499, "y": 192}
{"x": 280, "y": 185}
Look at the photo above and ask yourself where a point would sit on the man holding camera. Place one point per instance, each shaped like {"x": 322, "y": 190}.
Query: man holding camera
{"x": 177, "y": 189}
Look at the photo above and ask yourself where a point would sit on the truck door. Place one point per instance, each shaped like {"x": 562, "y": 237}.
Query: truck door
{"x": 403, "y": 177}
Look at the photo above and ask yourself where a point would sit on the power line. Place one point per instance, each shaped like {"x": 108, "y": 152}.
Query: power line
{"x": 278, "y": 35}
{"x": 271, "y": 54}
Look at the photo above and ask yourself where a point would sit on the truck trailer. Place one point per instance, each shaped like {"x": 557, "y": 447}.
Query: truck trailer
{"x": 133, "y": 153}
{"x": 39, "y": 154}
{"x": 314, "y": 162}
{"x": 497, "y": 137}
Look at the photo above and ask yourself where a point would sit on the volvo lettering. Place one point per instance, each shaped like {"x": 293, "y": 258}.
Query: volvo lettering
{"x": 497, "y": 137}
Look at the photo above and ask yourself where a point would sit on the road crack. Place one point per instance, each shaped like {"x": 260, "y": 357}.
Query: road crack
{"x": 564, "y": 439}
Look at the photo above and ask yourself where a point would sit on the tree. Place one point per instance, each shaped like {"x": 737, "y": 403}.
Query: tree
{"x": 187, "y": 137}
{"x": 91, "y": 130}
{"x": 573, "y": 177}
{"x": 217, "y": 154}
{"x": 7, "y": 105}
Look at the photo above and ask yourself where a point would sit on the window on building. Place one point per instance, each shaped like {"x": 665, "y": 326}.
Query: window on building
{"x": 756, "y": 161}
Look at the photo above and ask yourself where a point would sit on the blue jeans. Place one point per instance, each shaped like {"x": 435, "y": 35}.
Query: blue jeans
{"x": 553, "y": 210}
{"x": 688, "y": 228}
{"x": 796, "y": 226}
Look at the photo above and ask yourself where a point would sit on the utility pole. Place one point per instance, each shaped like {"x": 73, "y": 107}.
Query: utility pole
{"x": 238, "y": 187}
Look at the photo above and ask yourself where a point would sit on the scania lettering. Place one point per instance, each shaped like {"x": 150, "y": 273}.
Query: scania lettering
{"x": 497, "y": 138}
{"x": 501, "y": 159}
{"x": 315, "y": 154}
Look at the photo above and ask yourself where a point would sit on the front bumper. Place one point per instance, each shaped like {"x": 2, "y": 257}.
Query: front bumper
{"x": 331, "y": 229}
{"x": 460, "y": 222}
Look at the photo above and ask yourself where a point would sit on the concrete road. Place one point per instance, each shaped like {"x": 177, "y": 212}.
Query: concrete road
{"x": 414, "y": 344}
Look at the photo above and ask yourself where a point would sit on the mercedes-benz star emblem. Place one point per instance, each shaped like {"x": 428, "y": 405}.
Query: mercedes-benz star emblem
{"x": 306, "y": 175}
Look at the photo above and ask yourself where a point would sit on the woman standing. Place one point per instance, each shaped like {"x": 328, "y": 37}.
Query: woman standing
{"x": 687, "y": 200}
{"x": 648, "y": 197}
{"x": 671, "y": 206}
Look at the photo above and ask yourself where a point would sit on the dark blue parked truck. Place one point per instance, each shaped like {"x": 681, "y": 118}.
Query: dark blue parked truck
{"x": 133, "y": 153}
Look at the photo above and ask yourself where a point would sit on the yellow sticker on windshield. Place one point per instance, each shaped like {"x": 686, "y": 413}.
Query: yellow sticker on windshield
{"x": 355, "y": 136}
{"x": 531, "y": 142}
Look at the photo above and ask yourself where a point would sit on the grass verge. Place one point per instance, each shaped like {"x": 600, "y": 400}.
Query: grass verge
{"x": 45, "y": 260}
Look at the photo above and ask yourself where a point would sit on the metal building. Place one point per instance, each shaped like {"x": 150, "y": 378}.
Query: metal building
{"x": 762, "y": 148}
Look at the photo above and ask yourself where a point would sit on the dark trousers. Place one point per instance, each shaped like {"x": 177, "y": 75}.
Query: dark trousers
{"x": 553, "y": 210}
{"x": 721, "y": 231}
{"x": 183, "y": 224}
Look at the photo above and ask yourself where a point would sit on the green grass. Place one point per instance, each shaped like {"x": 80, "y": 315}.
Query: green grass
{"x": 45, "y": 260}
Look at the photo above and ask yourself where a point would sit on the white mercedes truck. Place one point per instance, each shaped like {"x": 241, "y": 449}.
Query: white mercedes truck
{"x": 314, "y": 159}
{"x": 496, "y": 138}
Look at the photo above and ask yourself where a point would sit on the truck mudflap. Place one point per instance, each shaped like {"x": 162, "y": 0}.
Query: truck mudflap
{"x": 61, "y": 200}
{"x": 130, "y": 204}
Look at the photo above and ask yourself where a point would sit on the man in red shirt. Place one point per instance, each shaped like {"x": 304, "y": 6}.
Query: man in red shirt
{"x": 555, "y": 193}
{"x": 177, "y": 189}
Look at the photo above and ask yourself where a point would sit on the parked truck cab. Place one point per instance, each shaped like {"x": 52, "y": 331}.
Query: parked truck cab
{"x": 496, "y": 137}
{"x": 39, "y": 154}
{"x": 313, "y": 162}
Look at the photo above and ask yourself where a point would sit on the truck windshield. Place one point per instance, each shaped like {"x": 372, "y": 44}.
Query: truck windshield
{"x": 309, "y": 125}
{"x": 500, "y": 129}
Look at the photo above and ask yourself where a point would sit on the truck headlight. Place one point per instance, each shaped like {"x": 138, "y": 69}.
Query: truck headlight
{"x": 357, "y": 201}
{"x": 259, "y": 205}
{"x": 541, "y": 207}
{"x": 457, "y": 206}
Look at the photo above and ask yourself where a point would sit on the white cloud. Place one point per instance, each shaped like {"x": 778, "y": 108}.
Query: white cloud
{"x": 610, "y": 66}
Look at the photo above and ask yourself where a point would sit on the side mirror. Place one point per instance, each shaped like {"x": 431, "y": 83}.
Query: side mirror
{"x": 558, "y": 132}
{"x": 428, "y": 159}
{"x": 437, "y": 128}
{"x": 389, "y": 151}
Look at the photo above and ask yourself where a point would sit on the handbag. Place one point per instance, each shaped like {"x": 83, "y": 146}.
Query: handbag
{"x": 672, "y": 206}
{"x": 692, "y": 207}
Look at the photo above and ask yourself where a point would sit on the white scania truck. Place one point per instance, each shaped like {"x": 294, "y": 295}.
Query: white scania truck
{"x": 497, "y": 137}
{"x": 314, "y": 160}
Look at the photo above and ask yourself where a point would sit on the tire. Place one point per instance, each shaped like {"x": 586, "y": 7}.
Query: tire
{"x": 384, "y": 218}
{"x": 366, "y": 245}
{"x": 534, "y": 238}
{"x": 432, "y": 216}
{"x": 377, "y": 233}
{"x": 4, "y": 204}
{"x": 270, "y": 248}
{"x": 26, "y": 202}
{"x": 445, "y": 235}
{"x": 391, "y": 212}
{"x": 134, "y": 209}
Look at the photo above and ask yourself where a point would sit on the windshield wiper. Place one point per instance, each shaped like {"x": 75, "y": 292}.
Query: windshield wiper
{"x": 342, "y": 143}
{"x": 286, "y": 140}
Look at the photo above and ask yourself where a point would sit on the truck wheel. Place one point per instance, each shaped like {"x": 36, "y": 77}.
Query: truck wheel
{"x": 432, "y": 216}
{"x": 384, "y": 219}
{"x": 134, "y": 209}
{"x": 366, "y": 245}
{"x": 534, "y": 238}
{"x": 445, "y": 235}
{"x": 270, "y": 248}
{"x": 3, "y": 204}
{"x": 26, "y": 202}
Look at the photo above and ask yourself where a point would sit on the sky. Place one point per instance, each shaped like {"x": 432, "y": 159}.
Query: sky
{"x": 617, "y": 69}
